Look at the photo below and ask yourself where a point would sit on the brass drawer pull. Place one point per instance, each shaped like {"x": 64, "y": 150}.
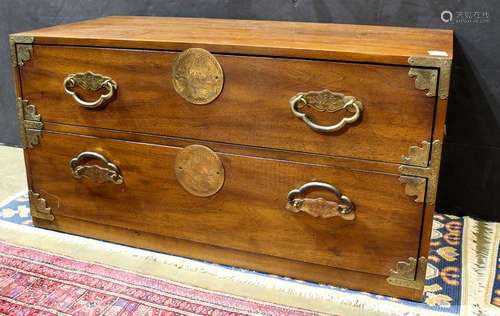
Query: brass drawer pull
{"x": 90, "y": 81}
{"x": 319, "y": 207}
{"x": 326, "y": 101}
{"x": 108, "y": 172}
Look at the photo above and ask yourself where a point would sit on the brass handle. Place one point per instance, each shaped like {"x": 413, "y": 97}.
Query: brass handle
{"x": 319, "y": 207}
{"x": 108, "y": 172}
{"x": 90, "y": 81}
{"x": 326, "y": 101}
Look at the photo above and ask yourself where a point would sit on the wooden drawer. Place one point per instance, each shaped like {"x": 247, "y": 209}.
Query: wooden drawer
{"x": 247, "y": 214}
{"x": 252, "y": 109}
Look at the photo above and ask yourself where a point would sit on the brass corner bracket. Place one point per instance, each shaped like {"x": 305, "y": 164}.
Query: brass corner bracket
{"x": 38, "y": 207}
{"x": 30, "y": 123}
{"x": 431, "y": 80}
{"x": 21, "y": 49}
{"x": 417, "y": 156}
{"x": 414, "y": 170}
{"x": 410, "y": 274}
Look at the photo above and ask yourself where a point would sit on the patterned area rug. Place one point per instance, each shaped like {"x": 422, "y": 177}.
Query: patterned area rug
{"x": 33, "y": 282}
{"x": 48, "y": 273}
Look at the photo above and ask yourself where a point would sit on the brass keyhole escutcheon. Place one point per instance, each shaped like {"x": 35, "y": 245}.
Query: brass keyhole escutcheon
{"x": 197, "y": 76}
{"x": 199, "y": 170}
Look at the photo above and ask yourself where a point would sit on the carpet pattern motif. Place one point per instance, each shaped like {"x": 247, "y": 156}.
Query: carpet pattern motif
{"x": 495, "y": 297}
{"x": 34, "y": 282}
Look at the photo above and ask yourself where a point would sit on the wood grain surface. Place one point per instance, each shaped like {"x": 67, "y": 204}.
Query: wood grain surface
{"x": 253, "y": 108}
{"x": 247, "y": 214}
{"x": 253, "y": 261}
{"x": 364, "y": 43}
{"x": 350, "y": 163}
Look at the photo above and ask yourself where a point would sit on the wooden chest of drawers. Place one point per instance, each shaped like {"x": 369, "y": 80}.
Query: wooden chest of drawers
{"x": 305, "y": 150}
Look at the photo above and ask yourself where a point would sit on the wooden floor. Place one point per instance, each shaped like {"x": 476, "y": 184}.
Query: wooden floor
{"x": 12, "y": 172}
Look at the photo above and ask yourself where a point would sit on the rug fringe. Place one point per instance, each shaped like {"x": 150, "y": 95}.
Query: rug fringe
{"x": 480, "y": 252}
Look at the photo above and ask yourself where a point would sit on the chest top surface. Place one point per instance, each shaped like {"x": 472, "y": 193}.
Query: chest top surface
{"x": 358, "y": 43}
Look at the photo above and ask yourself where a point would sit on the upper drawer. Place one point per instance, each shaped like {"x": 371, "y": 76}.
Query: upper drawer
{"x": 252, "y": 109}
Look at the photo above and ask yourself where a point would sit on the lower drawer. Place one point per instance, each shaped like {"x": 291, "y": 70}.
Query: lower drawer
{"x": 248, "y": 213}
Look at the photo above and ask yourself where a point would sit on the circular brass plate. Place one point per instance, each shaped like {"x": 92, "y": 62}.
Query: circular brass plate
{"x": 197, "y": 76}
{"x": 199, "y": 170}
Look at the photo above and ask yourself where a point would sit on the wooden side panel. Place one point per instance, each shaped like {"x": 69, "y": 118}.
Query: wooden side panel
{"x": 247, "y": 214}
{"x": 253, "y": 108}
{"x": 439, "y": 133}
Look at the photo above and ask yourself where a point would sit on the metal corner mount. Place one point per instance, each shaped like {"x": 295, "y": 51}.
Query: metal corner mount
{"x": 21, "y": 49}
{"x": 414, "y": 175}
{"x": 417, "y": 155}
{"x": 410, "y": 273}
{"x": 38, "y": 207}
{"x": 414, "y": 186}
{"x": 430, "y": 79}
{"x": 30, "y": 123}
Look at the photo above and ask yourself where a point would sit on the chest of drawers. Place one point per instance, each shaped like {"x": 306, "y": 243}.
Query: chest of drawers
{"x": 305, "y": 150}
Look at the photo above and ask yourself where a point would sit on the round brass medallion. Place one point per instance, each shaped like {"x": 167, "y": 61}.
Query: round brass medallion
{"x": 199, "y": 170}
{"x": 197, "y": 76}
